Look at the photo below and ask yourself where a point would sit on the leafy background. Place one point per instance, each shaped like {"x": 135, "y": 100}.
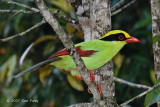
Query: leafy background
{"x": 56, "y": 88}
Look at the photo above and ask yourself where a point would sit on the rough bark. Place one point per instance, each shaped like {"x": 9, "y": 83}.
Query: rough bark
{"x": 155, "y": 11}
{"x": 95, "y": 19}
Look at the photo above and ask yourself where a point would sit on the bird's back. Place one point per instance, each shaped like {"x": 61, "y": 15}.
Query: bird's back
{"x": 94, "y": 53}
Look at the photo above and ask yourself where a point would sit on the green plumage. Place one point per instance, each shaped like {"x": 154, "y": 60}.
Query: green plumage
{"x": 100, "y": 52}
{"x": 106, "y": 50}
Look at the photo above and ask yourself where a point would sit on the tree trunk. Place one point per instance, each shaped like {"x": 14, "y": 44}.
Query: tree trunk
{"x": 155, "y": 11}
{"x": 95, "y": 20}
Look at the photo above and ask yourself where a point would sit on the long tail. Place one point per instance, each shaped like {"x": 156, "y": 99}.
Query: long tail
{"x": 37, "y": 66}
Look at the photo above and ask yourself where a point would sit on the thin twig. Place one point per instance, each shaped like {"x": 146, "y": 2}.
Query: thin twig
{"x": 18, "y": 11}
{"x": 131, "y": 84}
{"x": 22, "y": 5}
{"x": 140, "y": 95}
{"x": 117, "y": 5}
{"x": 82, "y": 105}
{"x": 24, "y": 32}
{"x": 124, "y": 7}
{"x": 74, "y": 21}
{"x": 33, "y": 12}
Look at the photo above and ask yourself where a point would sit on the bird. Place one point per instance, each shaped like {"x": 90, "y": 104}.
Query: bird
{"x": 94, "y": 53}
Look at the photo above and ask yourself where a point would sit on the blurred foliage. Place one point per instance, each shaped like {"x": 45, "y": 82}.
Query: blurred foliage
{"x": 153, "y": 96}
{"x": 134, "y": 63}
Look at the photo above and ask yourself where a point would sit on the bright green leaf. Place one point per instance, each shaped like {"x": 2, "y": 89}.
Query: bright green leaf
{"x": 75, "y": 83}
{"x": 155, "y": 39}
{"x": 153, "y": 96}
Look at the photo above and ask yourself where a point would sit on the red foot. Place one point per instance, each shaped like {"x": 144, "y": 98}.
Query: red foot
{"x": 92, "y": 76}
{"x": 78, "y": 77}
{"x": 99, "y": 90}
{"x": 92, "y": 79}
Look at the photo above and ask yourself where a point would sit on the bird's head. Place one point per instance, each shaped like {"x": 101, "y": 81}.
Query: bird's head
{"x": 119, "y": 35}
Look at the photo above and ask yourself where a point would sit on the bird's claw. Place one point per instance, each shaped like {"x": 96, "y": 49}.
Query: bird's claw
{"x": 99, "y": 90}
{"x": 92, "y": 76}
{"x": 92, "y": 79}
{"x": 78, "y": 77}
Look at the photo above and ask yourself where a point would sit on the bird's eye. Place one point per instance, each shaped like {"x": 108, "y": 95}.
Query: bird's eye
{"x": 121, "y": 37}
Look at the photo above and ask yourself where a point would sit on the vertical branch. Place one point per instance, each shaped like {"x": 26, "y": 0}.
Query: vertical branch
{"x": 100, "y": 17}
{"x": 95, "y": 19}
{"x": 155, "y": 11}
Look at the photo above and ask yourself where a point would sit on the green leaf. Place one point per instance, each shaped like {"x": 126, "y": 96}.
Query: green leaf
{"x": 75, "y": 83}
{"x": 118, "y": 58}
{"x": 153, "y": 96}
{"x": 49, "y": 48}
{"x": 11, "y": 67}
{"x": 142, "y": 23}
{"x": 45, "y": 71}
{"x": 152, "y": 76}
{"x": 7, "y": 21}
{"x": 3, "y": 71}
{"x": 70, "y": 28}
{"x": 63, "y": 4}
{"x": 11, "y": 92}
{"x": 7, "y": 69}
{"x": 155, "y": 39}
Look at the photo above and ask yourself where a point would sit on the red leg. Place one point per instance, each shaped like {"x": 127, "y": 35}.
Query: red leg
{"x": 92, "y": 76}
{"x": 89, "y": 91}
{"x": 78, "y": 77}
{"x": 99, "y": 90}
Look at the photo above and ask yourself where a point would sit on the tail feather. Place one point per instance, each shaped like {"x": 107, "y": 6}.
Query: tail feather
{"x": 37, "y": 66}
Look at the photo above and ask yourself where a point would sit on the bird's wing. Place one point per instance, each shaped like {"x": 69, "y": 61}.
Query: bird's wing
{"x": 82, "y": 53}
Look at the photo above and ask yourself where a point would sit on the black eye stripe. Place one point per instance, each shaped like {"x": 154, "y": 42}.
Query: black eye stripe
{"x": 115, "y": 37}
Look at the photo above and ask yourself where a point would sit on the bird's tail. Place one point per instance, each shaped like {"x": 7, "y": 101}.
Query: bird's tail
{"x": 37, "y": 66}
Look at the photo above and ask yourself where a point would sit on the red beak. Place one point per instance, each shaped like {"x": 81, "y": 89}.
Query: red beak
{"x": 132, "y": 40}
